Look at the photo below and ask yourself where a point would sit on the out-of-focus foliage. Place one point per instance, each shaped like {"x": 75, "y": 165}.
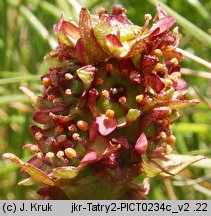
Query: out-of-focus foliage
{"x": 26, "y": 35}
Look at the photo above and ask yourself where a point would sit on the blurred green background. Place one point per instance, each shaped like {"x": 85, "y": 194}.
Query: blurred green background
{"x": 26, "y": 35}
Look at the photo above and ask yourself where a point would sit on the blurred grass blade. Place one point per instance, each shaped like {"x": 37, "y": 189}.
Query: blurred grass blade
{"x": 11, "y": 98}
{"x": 191, "y": 127}
{"x": 50, "y": 9}
{"x": 202, "y": 190}
{"x": 202, "y": 74}
{"x": 76, "y": 6}
{"x": 64, "y": 6}
{"x": 195, "y": 31}
{"x": 19, "y": 79}
{"x": 37, "y": 26}
{"x": 199, "y": 7}
{"x": 195, "y": 58}
{"x": 205, "y": 163}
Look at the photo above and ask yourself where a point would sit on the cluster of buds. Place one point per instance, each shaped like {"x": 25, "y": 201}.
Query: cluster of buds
{"x": 112, "y": 91}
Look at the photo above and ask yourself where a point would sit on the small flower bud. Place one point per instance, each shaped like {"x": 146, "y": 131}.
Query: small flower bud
{"x": 105, "y": 94}
{"x": 174, "y": 61}
{"x": 157, "y": 53}
{"x": 68, "y": 92}
{"x": 162, "y": 134}
{"x": 46, "y": 81}
{"x": 159, "y": 67}
{"x": 147, "y": 16}
{"x": 72, "y": 128}
{"x": 82, "y": 125}
{"x": 76, "y": 137}
{"x": 109, "y": 113}
{"x": 139, "y": 98}
{"x": 171, "y": 139}
{"x": 38, "y": 136}
{"x": 167, "y": 149}
{"x": 50, "y": 155}
{"x": 60, "y": 154}
{"x": 56, "y": 101}
{"x": 122, "y": 100}
{"x": 68, "y": 76}
{"x": 70, "y": 152}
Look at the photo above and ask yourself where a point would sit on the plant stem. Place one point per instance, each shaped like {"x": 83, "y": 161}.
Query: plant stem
{"x": 195, "y": 58}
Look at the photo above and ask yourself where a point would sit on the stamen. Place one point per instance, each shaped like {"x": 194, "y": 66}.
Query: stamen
{"x": 110, "y": 113}
{"x": 105, "y": 94}
{"x": 82, "y": 125}
{"x": 159, "y": 67}
{"x": 72, "y": 128}
{"x": 171, "y": 139}
{"x": 68, "y": 76}
{"x": 122, "y": 100}
{"x": 70, "y": 152}
{"x": 139, "y": 98}
{"x": 157, "y": 52}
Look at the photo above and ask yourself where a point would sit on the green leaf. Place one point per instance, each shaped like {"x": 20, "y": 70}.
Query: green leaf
{"x": 33, "y": 171}
{"x": 150, "y": 171}
{"x": 27, "y": 182}
{"x": 67, "y": 172}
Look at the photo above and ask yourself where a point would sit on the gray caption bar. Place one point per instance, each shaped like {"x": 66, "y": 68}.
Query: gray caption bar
{"x": 104, "y": 207}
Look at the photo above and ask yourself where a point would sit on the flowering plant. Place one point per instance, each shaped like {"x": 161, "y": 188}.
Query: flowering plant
{"x": 112, "y": 91}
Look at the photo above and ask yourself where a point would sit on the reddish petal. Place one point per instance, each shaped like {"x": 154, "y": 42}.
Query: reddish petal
{"x": 147, "y": 63}
{"x": 92, "y": 49}
{"x": 89, "y": 157}
{"x": 66, "y": 32}
{"x": 113, "y": 40}
{"x": 35, "y": 161}
{"x": 93, "y": 132}
{"x": 163, "y": 25}
{"x": 160, "y": 13}
{"x": 41, "y": 117}
{"x": 93, "y": 94}
{"x": 79, "y": 50}
{"x": 118, "y": 15}
{"x": 141, "y": 144}
{"x": 135, "y": 77}
{"x": 181, "y": 84}
{"x": 159, "y": 113}
{"x": 126, "y": 66}
{"x": 155, "y": 82}
{"x": 82, "y": 99}
{"x": 52, "y": 193}
{"x": 106, "y": 125}
{"x": 71, "y": 30}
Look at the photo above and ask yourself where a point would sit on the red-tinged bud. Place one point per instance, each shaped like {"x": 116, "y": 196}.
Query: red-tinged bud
{"x": 111, "y": 93}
